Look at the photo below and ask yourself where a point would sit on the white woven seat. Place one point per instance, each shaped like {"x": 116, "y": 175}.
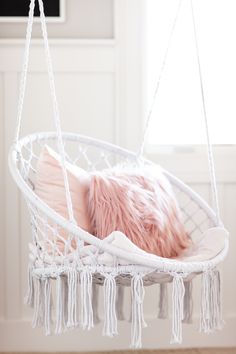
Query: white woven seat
{"x": 91, "y": 154}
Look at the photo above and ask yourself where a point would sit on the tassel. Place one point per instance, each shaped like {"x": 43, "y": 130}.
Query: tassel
{"x": 61, "y": 290}
{"x": 188, "y": 302}
{"x": 72, "y": 299}
{"x": 138, "y": 322}
{"x": 217, "y": 302}
{"x": 29, "y": 298}
{"x": 177, "y": 308}
{"x": 47, "y": 306}
{"x": 110, "y": 319}
{"x": 38, "y": 303}
{"x": 211, "y": 311}
{"x": 163, "y": 301}
{"x": 120, "y": 303}
{"x": 95, "y": 303}
{"x": 86, "y": 299}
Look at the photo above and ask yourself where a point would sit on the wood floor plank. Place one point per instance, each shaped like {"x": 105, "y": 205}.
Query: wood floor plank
{"x": 171, "y": 351}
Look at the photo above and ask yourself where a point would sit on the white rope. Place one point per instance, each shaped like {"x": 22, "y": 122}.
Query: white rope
{"x": 110, "y": 318}
{"x": 86, "y": 307}
{"x": 72, "y": 321}
{"x": 38, "y": 303}
{"x": 47, "y": 306}
{"x": 56, "y": 115}
{"x": 149, "y": 115}
{"x": 209, "y": 145}
{"x": 211, "y": 310}
{"x": 25, "y": 66}
{"x": 138, "y": 292}
{"x": 53, "y": 94}
{"x": 177, "y": 308}
{"x": 60, "y": 304}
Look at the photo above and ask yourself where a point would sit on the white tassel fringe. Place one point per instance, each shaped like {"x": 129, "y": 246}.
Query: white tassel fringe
{"x": 38, "y": 303}
{"x": 110, "y": 319}
{"x": 177, "y": 308}
{"x": 211, "y": 311}
{"x": 47, "y": 306}
{"x": 61, "y": 294}
{"x": 72, "y": 320}
{"x": 86, "y": 307}
{"x": 138, "y": 322}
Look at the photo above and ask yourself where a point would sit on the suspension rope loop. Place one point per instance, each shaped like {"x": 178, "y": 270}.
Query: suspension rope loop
{"x": 209, "y": 144}
{"x": 56, "y": 116}
{"x": 153, "y": 101}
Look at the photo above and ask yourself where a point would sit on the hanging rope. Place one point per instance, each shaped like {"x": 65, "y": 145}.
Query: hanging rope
{"x": 23, "y": 77}
{"x": 149, "y": 115}
{"x": 56, "y": 115}
{"x": 209, "y": 145}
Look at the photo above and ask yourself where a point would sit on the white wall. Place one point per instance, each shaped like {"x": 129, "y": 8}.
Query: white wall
{"x": 83, "y": 19}
{"x": 99, "y": 94}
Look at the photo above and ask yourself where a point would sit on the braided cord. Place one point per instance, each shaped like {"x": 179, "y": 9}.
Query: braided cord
{"x": 148, "y": 120}
{"x": 153, "y": 101}
{"x": 56, "y": 116}
{"x": 24, "y": 71}
{"x": 209, "y": 144}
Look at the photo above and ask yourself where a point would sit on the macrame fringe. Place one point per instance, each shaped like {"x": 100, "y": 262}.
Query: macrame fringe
{"x": 61, "y": 301}
{"x": 29, "y": 298}
{"x": 120, "y": 303}
{"x": 95, "y": 303}
{"x": 38, "y": 303}
{"x": 72, "y": 320}
{"x": 211, "y": 310}
{"x": 47, "y": 306}
{"x": 86, "y": 307}
{"x": 137, "y": 291}
{"x": 163, "y": 301}
{"x": 177, "y": 308}
{"x": 188, "y": 302}
{"x": 40, "y": 295}
{"x": 110, "y": 319}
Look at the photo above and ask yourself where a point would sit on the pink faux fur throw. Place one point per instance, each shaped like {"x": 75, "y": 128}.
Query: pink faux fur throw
{"x": 141, "y": 204}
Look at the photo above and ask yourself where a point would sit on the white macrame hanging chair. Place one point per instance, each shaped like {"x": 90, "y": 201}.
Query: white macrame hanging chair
{"x": 79, "y": 273}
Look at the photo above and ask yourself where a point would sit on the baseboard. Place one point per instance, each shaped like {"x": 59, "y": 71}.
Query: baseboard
{"x": 18, "y": 336}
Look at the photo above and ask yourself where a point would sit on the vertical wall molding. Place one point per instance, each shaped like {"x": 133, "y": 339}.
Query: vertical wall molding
{"x": 12, "y": 210}
{"x": 129, "y": 43}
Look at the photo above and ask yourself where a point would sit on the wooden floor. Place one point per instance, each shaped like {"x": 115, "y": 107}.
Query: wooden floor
{"x": 170, "y": 351}
{"x": 184, "y": 351}
{"x": 174, "y": 351}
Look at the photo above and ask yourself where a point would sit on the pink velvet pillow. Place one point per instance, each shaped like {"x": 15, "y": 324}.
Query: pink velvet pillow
{"x": 141, "y": 204}
{"x": 49, "y": 186}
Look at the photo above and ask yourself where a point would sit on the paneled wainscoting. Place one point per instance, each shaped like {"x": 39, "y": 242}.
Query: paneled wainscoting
{"x": 90, "y": 84}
